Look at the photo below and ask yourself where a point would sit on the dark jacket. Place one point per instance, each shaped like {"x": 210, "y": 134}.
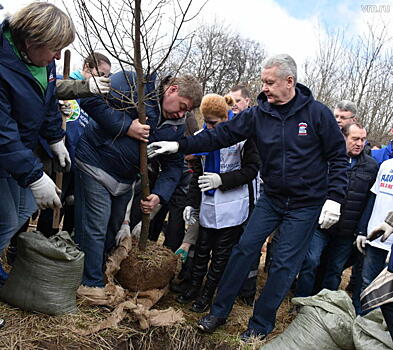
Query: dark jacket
{"x": 105, "y": 143}
{"x": 361, "y": 178}
{"x": 250, "y": 164}
{"x": 295, "y": 150}
{"x": 25, "y": 114}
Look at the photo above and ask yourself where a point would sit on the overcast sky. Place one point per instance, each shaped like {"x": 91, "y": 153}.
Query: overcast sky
{"x": 286, "y": 26}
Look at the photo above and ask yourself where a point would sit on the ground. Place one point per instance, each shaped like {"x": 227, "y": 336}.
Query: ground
{"x": 28, "y": 331}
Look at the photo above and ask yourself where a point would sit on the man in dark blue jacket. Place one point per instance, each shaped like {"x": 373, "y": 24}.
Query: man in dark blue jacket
{"x": 107, "y": 160}
{"x": 30, "y": 41}
{"x": 297, "y": 139}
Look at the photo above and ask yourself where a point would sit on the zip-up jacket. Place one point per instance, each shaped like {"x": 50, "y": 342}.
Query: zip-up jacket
{"x": 295, "y": 151}
{"x": 25, "y": 114}
{"x": 105, "y": 143}
{"x": 361, "y": 178}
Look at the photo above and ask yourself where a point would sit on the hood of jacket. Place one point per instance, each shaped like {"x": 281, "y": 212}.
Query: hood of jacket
{"x": 303, "y": 97}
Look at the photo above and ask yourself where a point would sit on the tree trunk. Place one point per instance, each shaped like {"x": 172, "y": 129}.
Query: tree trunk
{"x": 140, "y": 82}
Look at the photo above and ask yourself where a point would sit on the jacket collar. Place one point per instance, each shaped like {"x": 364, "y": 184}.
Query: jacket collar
{"x": 303, "y": 97}
{"x": 8, "y": 56}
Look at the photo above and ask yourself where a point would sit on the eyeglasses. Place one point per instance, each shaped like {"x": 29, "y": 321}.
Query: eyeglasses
{"x": 344, "y": 118}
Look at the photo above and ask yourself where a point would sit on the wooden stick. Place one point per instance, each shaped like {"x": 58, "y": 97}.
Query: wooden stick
{"x": 59, "y": 175}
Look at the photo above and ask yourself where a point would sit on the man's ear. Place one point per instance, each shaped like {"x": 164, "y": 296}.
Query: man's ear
{"x": 290, "y": 81}
{"x": 173, "y": 88}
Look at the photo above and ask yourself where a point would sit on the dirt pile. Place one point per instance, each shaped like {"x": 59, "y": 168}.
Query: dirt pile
{"x": 151, "y": 269}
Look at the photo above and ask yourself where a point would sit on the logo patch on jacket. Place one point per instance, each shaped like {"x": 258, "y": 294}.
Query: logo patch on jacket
{"x": 51, "y": 78}
{"x": 302, "y": 129}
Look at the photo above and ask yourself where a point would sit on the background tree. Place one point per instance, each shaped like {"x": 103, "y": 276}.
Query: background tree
{"x": 357, "y": 69}
{"x": 220, "y": 59}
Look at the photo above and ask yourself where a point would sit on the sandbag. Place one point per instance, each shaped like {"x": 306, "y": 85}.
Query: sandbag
{"x": 371, "y": 332}
{"x": 46, "y": 274}
{"x": 324, "y": 322}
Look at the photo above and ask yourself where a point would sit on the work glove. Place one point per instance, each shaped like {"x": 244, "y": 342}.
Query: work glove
{"x": 183, "y": 254}
{"x": 60, "y": 150}
{"x": 330, "y": 214}
{"x": 65, "y": 107}
{"x": 123, "y": 233}
{"x": 190, "y": 215}
{"x": 46, "y": 193}
{"x": 209, "y": 181}
{"x": 384, "y": 230}
{"x": 361, "y": 244}
{"x": 136, "y": 231}
{"x": 162, "y": 147}
{"x": 99, "y": 85}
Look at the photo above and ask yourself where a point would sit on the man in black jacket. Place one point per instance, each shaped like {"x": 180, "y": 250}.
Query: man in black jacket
{"x": 297, "y": 138}
{"x": 340, "y": 237}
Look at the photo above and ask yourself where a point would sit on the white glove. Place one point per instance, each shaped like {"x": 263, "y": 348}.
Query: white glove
{"x": 46, "y": 193}
{"x": 123, "y": 233}
{"x": 136, "y": 231}
{"x": 60, "y": 150}
{"x": 384, "y": 230}
{"x": 190, "y": 215}
{"x": 208, "y": 181}
{"x": 162, "y": 147}
{"x": 330, "y": 214}
{"x": 65, "y": 107}
{"x": 99, "y": 85}
{"x": 361, "y": 244}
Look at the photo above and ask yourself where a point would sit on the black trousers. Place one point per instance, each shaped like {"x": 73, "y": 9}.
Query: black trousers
{"x": 387, "y": 312}
{"x": 175, "y": 228}
{"x": 217, "y": 244}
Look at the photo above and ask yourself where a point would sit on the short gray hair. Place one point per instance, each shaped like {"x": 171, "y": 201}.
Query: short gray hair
{"x": 285, "y": 63}
{"x": 347, "y": 106}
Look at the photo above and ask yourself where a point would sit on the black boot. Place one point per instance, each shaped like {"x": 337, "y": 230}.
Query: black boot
{"x": 203, "y": 302}
{"x": 180, "y": 287}
{"x": 189, "y": 295}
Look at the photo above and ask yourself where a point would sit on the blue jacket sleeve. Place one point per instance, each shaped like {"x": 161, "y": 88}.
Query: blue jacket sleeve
{"x": 223, "y": 135}
{"x": 15, "y": 158}
{"x": 115, "y": 122}
{"x": 171, "y": 171}
{"x": 334, "y": 150}
{"x": 51, "y": 128}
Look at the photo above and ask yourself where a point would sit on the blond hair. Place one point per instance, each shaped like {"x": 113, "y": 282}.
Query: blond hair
{"x": 43, "y": 24}
{"x": 216, "y": 105}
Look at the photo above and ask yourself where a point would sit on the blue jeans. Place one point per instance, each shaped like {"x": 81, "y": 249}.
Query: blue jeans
{"x": 373, "y": 263}
{"x": 17, "y": 205}
{"x": 339, "y": 250}
{"x": 98, "y": 218}
{"x": 296, "y": 227}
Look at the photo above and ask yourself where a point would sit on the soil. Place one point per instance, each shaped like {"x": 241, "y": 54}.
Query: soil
{"x": 152, "y": 269}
